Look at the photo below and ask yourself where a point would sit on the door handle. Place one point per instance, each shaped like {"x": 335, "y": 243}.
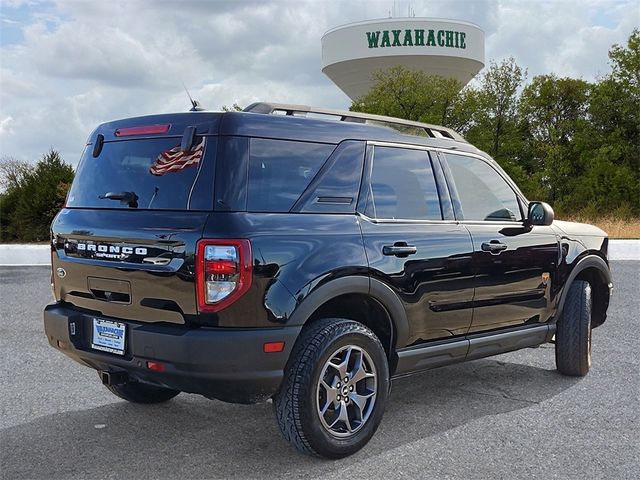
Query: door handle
{"x": 494, "y": 246}
{"x": 399, "y": 249}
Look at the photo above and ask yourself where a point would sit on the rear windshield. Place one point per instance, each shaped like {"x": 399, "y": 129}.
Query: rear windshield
{"x": 145, "y": 174}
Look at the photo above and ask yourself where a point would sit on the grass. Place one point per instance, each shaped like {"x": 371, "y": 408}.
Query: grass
{"x": 615, "y": 227}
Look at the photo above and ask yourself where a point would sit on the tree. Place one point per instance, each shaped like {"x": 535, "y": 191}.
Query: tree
{"x": 625, "y": 62}
{"x": 611, "y": 142}
{"x": 491, "y": 111}
{"x": 553, "y": 113}
{"x": 29, "y": 206}
{"x": 563, "y": 140}
{"x": 464, "y": 110}
{"x": 496, "y": 122}
{"x": 233, "y": 108}
{"x": 13, "y": 172}
{"x": 412, "y": 95}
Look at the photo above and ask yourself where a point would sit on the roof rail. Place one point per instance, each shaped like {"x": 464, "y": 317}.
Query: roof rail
{"x": 404, "y": 126}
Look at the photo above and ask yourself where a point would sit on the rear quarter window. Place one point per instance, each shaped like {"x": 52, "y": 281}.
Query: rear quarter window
{"x": 153, "y": 169}
{"x": 280, "y": 170}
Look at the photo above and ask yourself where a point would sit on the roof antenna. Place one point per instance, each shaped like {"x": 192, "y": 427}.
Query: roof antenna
{"x": 195, "y": 105}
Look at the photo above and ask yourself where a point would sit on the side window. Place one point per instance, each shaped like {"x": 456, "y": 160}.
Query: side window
{"x": 402, "y": 185}
{"x": 484, "y": 194}
{"x": 338, "y": 183}
{"x": 279, "y": 171}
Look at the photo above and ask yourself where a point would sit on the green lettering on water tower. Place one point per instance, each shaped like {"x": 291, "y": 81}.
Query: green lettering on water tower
{"x": 435, "y": 38}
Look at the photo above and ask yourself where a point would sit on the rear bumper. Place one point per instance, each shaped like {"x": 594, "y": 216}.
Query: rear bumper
{"x": 223, "y": 363}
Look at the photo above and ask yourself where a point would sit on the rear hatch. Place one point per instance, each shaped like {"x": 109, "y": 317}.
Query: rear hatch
{"x": 124, "y": 244}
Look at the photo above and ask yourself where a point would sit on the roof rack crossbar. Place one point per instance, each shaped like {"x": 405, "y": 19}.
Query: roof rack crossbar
{"x": 435, "y": 131}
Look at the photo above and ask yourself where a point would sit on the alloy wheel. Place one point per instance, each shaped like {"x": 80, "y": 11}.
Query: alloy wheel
{"x": 346, "y": 391}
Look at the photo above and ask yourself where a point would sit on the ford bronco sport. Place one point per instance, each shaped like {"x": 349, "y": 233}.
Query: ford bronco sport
{"x": 308, "y": 256}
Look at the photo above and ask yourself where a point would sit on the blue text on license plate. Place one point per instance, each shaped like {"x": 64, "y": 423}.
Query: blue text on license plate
{"x": 108, "y": 336}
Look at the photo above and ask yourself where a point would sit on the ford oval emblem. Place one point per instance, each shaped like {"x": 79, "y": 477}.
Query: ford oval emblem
{"x": 61, "y": 272}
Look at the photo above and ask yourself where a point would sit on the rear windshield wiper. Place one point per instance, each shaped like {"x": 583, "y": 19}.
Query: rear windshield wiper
{"x": 126, "y": 198}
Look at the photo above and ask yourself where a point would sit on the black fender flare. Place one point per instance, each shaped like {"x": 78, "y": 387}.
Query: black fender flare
{"x": 390, "y": 301}
{"x": 376, "y": 289}
{"x": 590, "y": 261}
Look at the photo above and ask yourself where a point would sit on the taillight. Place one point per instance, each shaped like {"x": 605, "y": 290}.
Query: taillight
{"x": 223, "y": 272}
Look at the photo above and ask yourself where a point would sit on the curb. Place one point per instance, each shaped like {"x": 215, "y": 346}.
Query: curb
{"x": 25, "y": 255}
{"x": 28, "y": 255}
{"x": 624, "y": 249}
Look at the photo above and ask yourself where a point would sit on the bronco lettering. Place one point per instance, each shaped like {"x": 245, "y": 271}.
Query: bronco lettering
{"x": 114, "y": 249}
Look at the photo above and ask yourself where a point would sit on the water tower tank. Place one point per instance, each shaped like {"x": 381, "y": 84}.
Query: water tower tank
{"x": 352, "y": 53}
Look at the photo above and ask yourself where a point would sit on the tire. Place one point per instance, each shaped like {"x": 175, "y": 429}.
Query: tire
{"x": 141, "y": 393}
{"x": 325, "y": 350}
{"x": 573, "y": 334}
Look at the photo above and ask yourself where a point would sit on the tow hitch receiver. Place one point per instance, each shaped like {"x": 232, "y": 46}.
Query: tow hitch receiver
{"x": 113, "y": 378}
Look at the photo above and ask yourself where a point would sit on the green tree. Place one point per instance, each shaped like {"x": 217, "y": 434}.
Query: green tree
{"x": 564, "y": 140}
{"x": 492, "y": 110}
{"x": 233, "y": 108}
{"x": 464, "y": 110}
{"x": 553, "y": 114}
{"x": 13, "y": 173}
{"x": 496, "y": 118}
{"x": 412, "y": 95}
{"x": 29, "y": 207}
{"x": 625, "y": 63}
{"x": 612, "y": 140}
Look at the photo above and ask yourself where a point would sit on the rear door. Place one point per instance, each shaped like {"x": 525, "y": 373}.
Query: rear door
{"x": 413, "y": 243}
{"x": 124, "y": 244}
{"x": 515, "y": 266}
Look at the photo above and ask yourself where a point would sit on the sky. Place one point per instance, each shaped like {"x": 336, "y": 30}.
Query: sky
{"x": 68, "y": 65}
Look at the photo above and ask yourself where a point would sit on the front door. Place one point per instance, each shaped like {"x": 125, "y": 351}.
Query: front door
{"x": 423, "y": 257}
{"x": 514, "y": 265}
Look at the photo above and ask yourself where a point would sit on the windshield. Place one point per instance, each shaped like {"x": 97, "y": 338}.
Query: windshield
{"x": 144, "y": 174}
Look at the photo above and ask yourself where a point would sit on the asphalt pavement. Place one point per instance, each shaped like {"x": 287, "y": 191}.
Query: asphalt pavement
{"x": 511, "y": 416}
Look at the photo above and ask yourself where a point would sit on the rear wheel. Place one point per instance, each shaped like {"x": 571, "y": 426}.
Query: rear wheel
{"x": 141, "y": 393}
{"x": 573, "y": 334}
{"x": 335, "y": 389}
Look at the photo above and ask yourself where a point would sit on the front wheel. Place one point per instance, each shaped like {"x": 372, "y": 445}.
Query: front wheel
{"x": 335, "y": 389}
{"x": 573, "y": 334}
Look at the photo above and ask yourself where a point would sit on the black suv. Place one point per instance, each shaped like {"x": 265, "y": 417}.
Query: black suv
{"x": 308, "y": 256}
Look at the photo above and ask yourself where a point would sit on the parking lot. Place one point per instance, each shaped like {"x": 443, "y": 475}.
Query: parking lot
{"x": 510, "y": 416}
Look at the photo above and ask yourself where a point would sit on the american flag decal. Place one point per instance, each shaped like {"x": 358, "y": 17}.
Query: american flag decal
{"x": 175, "y": 160}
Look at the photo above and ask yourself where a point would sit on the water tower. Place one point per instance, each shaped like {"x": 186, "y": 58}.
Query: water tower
{"x": 352, "y": 53}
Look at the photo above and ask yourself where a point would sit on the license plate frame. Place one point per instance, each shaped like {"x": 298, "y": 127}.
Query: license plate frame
{"x": 108, "y": 336}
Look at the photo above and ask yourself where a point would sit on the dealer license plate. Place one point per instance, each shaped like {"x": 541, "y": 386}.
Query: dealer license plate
{"x": 108, "y": 336}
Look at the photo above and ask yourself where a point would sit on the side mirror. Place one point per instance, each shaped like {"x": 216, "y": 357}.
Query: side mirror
{"x": 539, "y": 213}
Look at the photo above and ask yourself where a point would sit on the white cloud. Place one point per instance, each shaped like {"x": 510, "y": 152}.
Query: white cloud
{"x": 560, "y": 37}
{"x": 5, "y": 126}
{"x": 16, "y": 84}
{"x": 19, "y": 3}
{"x": 80, "y": 63}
